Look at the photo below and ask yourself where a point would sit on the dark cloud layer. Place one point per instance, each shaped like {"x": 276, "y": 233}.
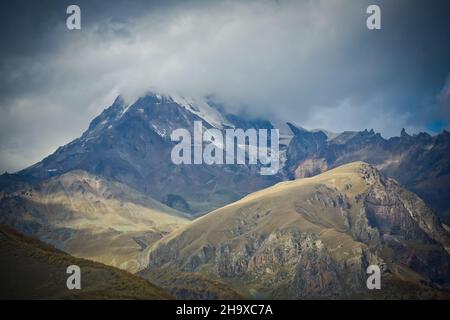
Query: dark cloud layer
{"x": 313, "y": 62}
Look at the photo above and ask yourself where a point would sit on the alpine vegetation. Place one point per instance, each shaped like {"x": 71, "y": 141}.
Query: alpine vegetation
{"x": 251, "y": 146}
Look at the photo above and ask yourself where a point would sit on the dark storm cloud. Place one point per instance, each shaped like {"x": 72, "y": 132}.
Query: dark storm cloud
{"x": 312, "y": 62}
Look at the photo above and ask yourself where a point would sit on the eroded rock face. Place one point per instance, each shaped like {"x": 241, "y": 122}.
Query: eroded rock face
{"x": 419, "y": 162}
{"x": 318, "y": 243}
{"x": 396, "y": 211}
{"x": 310, "y": 168}
{"x": 285, "y": 264}
{"x": 386, "y": 212}
{"x": 409, "y": 228}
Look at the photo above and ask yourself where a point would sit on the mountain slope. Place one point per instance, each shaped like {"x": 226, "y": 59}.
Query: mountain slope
{"x": 420, "y": 162}
{"x": 90, "y": 217}
{"x": 130, "y": 143}
{"x": 30, "y": 269}
{"x": 314, "y": 238}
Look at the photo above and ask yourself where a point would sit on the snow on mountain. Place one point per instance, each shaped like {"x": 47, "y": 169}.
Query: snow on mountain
{"x": 130, "y": 143}
{"x": 196, "y": 105}
{"x": 201, "y": 108}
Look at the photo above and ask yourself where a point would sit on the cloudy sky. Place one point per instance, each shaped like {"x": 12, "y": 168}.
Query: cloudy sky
{"x": 313, "y": 62}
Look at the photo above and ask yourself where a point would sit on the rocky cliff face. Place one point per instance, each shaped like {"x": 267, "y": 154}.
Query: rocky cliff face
{"x": 421, "y": 162}
{"x": 314, "y": 238}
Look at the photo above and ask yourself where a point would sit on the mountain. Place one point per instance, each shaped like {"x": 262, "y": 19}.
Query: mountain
{"x": 30, "y": 269}
{"x": 89, "y": 217}
{"x": 420, "y": 162}
{"x": 314, "y": 238}
{"x": 114, "y": 196}
{"x": 191, "y": 285}
{"x": 130, "y": 143}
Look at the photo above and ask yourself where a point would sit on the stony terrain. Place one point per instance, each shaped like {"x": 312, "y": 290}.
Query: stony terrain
{"x": 314, "y": 238}
{"x": 419, "y": 162}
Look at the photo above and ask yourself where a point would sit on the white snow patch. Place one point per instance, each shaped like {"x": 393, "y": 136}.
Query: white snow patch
{"x": 160, "y": 132}
{"x": 124, "y": 110}
{"x": 201, "y": 108}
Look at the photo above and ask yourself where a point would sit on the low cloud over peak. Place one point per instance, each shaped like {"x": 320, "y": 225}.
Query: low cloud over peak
{"x": 312, "y": 62}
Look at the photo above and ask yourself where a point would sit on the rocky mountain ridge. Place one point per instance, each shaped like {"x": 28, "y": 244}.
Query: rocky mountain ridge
{"x": 131, "y": 144}
{"x": 314, "y": 238}
{"x": 419, "y": 162}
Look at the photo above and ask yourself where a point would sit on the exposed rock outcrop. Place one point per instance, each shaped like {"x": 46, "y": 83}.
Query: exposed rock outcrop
{"x": 315, "y": 238}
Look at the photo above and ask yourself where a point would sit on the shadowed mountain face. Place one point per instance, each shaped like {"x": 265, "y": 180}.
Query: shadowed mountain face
{"x": 131, "y": 144}
{"x": 314, "y": 238}
{"x": 90, "y": 217}
{"x": 30, "y": 269}
{"x": 421, "y": 162}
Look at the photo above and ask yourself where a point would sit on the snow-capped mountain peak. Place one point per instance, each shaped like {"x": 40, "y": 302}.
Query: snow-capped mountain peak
{"x": 201, "y": 108}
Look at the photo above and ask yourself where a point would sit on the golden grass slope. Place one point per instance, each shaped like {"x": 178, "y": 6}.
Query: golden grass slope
{"x": 309, "y": 238}
{"x": 90, "y": 217}
{"x": 286, "y": 205}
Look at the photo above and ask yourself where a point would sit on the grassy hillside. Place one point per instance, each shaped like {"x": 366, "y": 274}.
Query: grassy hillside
{"x": 90, "y": 217}
{"x": 314, "y": 238}
{"x": 31, "y": 269}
